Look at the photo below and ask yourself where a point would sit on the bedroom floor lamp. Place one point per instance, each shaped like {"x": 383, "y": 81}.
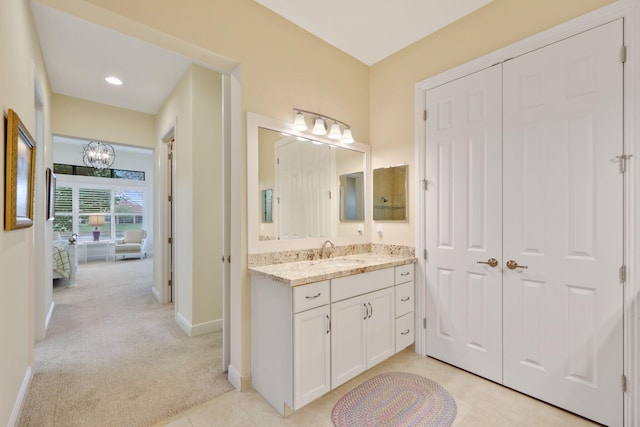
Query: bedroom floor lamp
{"x": 96, "y": 220}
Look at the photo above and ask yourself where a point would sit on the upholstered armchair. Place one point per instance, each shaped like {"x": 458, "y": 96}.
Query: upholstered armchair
{"x": 132, "y": 245}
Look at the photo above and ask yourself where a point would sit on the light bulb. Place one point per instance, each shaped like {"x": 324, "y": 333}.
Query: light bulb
{"x": 347, "y": 138}
{"x": 319, "y": 127}
{"x": 335, "y": 133}
{"x": 300, "y": 123}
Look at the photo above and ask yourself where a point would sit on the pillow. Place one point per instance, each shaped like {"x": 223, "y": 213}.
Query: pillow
{"x": 134, "y": 236}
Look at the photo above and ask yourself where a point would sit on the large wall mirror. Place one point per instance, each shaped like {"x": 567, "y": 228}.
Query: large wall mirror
{"x": 302, "y": 191}
{"x": 390, "y": 193}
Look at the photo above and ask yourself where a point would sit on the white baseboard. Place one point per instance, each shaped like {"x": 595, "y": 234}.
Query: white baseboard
{"x": 48, "y": 318}
{"x": 17, "y": 408}
{"x": 199, "y": 329}
{"x": 156, "y": 294}
{"x": 234, "y": 377}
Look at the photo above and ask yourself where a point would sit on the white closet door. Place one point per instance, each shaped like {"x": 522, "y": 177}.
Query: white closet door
{"x": 464, "y": 223}
{"x": 563, "y": 220}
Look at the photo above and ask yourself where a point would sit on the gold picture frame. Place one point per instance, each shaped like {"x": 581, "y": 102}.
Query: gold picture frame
{"x": 20, "y": 159}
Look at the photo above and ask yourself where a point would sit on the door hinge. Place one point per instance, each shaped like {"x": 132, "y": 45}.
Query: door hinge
{"x": 170, "y": 199}
{"x": 624, "y": 383}
{"x": 170, "y": 156}
{"x": 425, "y": 185}
{"x": 424, "y": 323}
{"x": 329, "y": 194}
{"x": 229, "y": 259}
{"x": 170, "y": 283}
{"x": 424, "y": 115}
{"x": 278, "y": 161}
{"x": 222, "y": 259}
{"x": 424, "y": 254}
{"x": 623, "y": 54}
{"x": 170, "y": 240}
{"x": 623, "y": 273}
{"x": 623, "y": 161}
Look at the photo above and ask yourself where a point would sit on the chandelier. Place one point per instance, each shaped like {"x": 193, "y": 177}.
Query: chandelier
{"x": 98, "y": 155}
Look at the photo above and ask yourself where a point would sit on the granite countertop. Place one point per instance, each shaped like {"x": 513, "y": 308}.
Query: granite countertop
{"x": 304, "y": 272}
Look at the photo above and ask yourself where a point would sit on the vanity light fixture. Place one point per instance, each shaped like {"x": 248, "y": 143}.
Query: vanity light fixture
{"x": 320, "y": 126}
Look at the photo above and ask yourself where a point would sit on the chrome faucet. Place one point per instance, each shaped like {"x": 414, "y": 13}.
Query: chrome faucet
{"x": 324, "y": 248}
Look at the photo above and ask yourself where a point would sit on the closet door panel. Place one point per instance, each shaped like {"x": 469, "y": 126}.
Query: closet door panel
{"x": 563, "y": 221}
{"x": 464, "y": 221}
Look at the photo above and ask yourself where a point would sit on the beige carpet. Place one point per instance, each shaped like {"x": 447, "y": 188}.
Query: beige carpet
{"x": 115, "y": 357}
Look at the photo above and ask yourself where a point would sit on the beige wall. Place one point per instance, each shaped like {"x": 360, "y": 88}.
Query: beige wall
{"x": 392, "y": 84}
{"x": 195, "y": 106}
{"x": 21, "y": 58}
{"x": 90, "y": 120}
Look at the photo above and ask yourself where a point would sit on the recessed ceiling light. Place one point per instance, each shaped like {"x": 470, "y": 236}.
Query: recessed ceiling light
{"x": 114, "y": 81}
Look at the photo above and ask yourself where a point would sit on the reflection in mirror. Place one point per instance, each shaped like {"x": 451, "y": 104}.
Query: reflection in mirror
{"x": 351, "y": 197}
{"x": 265, "y": 205}
{"x": 390, "y": 193}
{"x": 304, "y": 176}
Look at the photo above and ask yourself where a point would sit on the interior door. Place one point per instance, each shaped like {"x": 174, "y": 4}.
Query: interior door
{"x": 563, "y": 302}
{"x": 464, "y": 223}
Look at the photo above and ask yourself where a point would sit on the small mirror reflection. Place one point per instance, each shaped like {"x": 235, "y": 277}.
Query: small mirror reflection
{"x": 390, "y": 193}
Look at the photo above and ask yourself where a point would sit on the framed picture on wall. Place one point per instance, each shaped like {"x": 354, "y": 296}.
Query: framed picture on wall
{"x": 19, "y": 174}
{"x": 51, "y": 195}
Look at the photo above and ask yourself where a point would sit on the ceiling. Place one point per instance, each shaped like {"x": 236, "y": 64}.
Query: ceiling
{"x": 79, "y": 54}
{"x": 372, "y": 30}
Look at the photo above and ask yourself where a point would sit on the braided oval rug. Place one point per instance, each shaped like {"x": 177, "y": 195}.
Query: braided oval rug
{"x": 395, "y": 399}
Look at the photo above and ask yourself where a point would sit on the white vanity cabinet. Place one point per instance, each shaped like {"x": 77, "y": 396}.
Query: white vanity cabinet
{"x": 307, "y": 340}
{"x": 363, "y": 325}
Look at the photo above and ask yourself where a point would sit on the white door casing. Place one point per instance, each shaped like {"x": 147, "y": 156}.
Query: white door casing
{"x": 563, "y": 201}
{"x": 464, "y": 223}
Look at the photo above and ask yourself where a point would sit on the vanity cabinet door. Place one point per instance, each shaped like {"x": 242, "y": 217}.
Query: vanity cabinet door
{"x": 311, "y": 355}
{"x": 348, "y": 345}
{"x": 380, "y": 326}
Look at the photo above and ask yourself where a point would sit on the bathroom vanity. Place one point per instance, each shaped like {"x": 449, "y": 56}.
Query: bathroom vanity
{"x": 317, "y": 324}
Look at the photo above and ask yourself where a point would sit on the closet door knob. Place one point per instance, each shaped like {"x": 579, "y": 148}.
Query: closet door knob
{"x": 492, "y": 262}
{"x": 512, "y": 265}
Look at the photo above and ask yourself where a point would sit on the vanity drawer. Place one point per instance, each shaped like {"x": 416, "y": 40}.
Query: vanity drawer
{"x": 404, "y": 273}
{"x": 404, "y": 299}
{"x": 358, "y": 284}
{"x": 310, "y": 296}
{"x": 405, "y": 333}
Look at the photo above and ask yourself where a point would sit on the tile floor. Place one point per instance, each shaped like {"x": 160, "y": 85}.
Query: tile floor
{"x": 480, "y": 402}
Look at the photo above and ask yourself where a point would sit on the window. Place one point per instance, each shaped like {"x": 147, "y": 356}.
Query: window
{"x": 123, "y": 209}
{"x": 60, "y": 168}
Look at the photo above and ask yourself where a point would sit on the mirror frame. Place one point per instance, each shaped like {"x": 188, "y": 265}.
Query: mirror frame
{"x": 255, "y": 245}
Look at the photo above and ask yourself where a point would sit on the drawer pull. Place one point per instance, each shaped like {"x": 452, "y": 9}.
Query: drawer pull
{"x": 405, "y": 332}
{"x": 314, "y": 296}
{"x": 405, "y": 299}
{"x": 404, "y": 274}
